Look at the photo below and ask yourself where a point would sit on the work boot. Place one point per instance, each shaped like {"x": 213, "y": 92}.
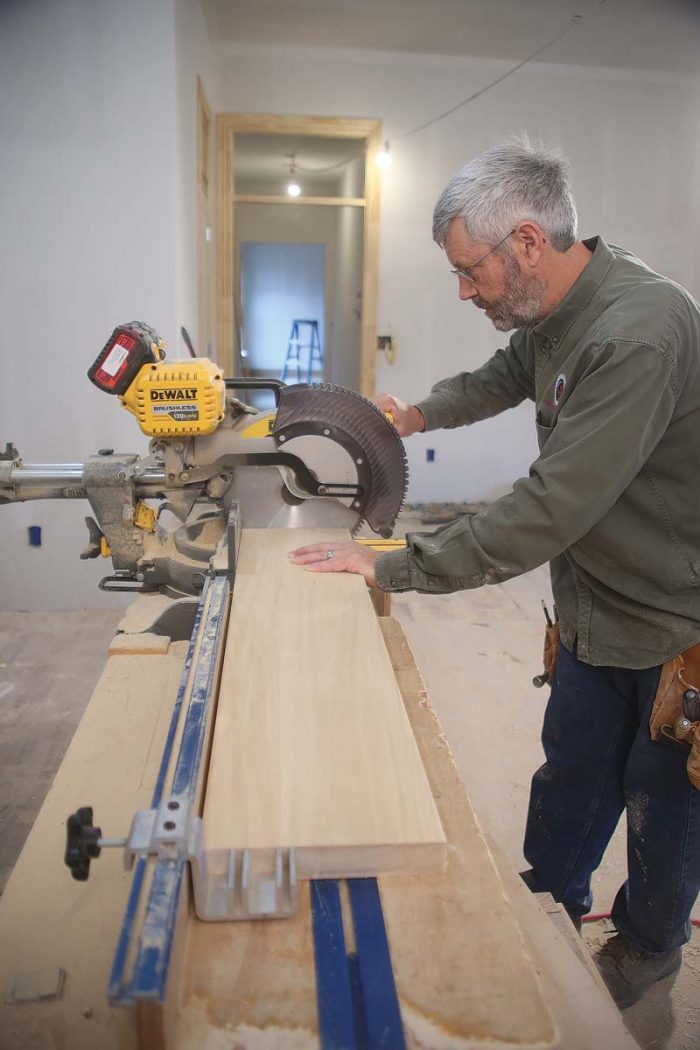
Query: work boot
{"x": 628, "y": 971}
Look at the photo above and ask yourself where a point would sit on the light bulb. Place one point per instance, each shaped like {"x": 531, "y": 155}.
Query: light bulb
{"x": 384, "y": 156}
{"x": 293, "y": 189}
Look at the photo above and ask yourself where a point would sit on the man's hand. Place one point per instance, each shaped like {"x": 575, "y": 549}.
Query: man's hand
{"x": 407, "y": 418}
{"x": 337, "y": 557}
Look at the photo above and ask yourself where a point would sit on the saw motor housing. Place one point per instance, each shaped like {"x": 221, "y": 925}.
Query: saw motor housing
{"x": 168, "y": 399}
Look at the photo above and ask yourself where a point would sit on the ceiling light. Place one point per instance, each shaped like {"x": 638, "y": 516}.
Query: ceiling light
{"x": 293, "y": 187}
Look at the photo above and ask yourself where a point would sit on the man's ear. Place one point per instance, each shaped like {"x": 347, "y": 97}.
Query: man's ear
{"x": 531, "y": 242}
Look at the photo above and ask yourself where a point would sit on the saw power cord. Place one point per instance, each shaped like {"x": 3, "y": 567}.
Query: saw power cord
{"x": 575, "y": 20}
{"x": 600, "y": 915}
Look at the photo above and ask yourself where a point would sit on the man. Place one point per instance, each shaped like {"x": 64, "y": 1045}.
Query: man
{"x": 609, "y": 351}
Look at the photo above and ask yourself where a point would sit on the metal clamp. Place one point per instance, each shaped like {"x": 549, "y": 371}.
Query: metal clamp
{"x": 228, "y": 884}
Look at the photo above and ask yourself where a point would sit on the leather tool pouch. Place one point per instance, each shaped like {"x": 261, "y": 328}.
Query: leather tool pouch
{"x": 675, "y": 716}
{"x": 551, "y": 648}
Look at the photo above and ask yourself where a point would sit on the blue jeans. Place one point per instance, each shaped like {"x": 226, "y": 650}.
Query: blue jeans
{"x": 600, "y": 759}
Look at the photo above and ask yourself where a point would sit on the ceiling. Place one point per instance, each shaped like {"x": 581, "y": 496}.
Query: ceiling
{"x": 264, "y": 159}
{"x": 644, "y": 34}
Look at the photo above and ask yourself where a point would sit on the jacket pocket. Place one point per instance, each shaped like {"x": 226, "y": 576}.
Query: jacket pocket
{"x": 682, "y": 553}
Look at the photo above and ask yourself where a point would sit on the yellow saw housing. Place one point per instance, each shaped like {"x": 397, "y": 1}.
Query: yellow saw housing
{"x": 177, "y": 398}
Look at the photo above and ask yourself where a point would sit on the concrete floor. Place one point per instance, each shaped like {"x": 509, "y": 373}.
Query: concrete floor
{"x": 477, "y": 652}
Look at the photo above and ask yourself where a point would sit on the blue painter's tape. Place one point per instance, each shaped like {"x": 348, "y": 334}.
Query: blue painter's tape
{"x": 336, "y": 1020}
{"x": 380, "y": 1004}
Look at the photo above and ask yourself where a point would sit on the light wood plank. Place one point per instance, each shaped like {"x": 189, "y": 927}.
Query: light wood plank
{"x": 335, "y": 202}
{"x": 47, "y": 919}
{"x": 370, "y": 265}
{"x": 335, "y": 127}
{"x": 480, "y": 984}
{"x": 225, "y": 313}
{"x": 463, "y": 975}
{"x": 312, "y": 747}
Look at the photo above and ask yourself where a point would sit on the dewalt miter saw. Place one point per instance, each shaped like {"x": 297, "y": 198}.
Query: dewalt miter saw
{"x": 325, "y": 457}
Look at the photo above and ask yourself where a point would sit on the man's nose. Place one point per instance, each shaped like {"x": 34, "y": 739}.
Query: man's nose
{"x": 467, "y": 289}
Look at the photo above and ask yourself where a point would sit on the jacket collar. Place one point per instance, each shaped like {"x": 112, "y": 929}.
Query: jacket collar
{"x": 555, "y": 325}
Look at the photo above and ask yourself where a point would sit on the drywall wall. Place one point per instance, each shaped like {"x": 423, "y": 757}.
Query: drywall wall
{"x": 634, "y": 143}
{"x": 99, "y": 198}
{"x": 98, "y": 124}
{"x": 87, "y": 131}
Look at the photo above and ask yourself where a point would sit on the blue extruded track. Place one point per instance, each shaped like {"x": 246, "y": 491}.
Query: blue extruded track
{"x": 358, "y": 1007}
{"x": 148, "y": 979}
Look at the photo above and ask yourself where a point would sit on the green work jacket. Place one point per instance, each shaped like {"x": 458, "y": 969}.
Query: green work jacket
{"x": 614, "y": 372}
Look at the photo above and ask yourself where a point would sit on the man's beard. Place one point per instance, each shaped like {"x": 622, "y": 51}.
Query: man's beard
{"x": 520, "y": 306}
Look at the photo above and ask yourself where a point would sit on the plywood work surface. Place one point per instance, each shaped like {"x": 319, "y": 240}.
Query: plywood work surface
{"x": 464, "y": 975}
{"x": 50, "y": 922}
{"x": 312, "y": 746}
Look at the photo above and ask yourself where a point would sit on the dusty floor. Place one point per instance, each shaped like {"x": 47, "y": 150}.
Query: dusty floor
{"x": 477, "y": 652}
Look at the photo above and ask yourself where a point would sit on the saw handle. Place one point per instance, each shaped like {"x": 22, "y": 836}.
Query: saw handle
{"x": 244, "y": 383}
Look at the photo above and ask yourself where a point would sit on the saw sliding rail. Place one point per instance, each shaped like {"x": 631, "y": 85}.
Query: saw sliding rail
{"x": 355, "y": 990}
{"x": 140, "y": 968}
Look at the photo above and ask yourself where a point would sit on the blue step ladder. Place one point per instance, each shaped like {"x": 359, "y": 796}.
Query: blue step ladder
{"x": 296, "y": 344}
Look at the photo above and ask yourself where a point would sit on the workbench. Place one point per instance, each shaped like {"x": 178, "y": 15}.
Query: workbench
{"x": 456, "y": 944}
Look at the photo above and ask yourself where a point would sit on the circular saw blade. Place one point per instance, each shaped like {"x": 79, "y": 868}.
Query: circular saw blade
{"x": 348, "y": 419}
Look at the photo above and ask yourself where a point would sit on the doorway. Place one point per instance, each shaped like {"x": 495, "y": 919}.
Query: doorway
{"x": 283, "y": 332}
{"x": 337, "y": 208}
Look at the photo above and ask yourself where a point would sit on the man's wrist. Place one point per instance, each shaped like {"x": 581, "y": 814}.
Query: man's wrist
{"x": 419, "y": 419}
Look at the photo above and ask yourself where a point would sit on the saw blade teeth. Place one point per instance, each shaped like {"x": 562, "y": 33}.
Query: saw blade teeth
{"x": 360, "y": 420}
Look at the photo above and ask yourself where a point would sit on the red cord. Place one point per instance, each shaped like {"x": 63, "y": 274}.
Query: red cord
{"x": 597, "y": 916}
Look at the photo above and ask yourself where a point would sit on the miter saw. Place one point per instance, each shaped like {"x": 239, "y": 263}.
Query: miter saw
{"x": 324, "y": 457}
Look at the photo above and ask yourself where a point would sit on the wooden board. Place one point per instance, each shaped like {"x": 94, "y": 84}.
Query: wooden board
{"x": 312, "y": 747}
{"x": 47, "y": 919}
{"x": 464, "y": 976}
{"x": 252, "y": 984}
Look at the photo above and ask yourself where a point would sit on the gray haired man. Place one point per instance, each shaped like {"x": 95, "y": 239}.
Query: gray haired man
{"x": 609, "y": 352}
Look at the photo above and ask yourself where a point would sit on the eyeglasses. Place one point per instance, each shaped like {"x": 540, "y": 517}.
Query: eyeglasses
{"x": 466, "y": 274}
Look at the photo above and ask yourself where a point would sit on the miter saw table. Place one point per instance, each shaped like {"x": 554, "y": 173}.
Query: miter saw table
{"x": 123, "y": 960}
{"x": 451, "y": 937}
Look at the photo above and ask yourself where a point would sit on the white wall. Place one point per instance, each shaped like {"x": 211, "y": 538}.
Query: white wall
{"x": 98, "y": 161}
{"x": 86, "y": 158}
{"x": 98, "y": 173}
{"x": 633, "y": 139}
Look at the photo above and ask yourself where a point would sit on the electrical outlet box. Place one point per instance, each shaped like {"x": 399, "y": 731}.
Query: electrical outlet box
{"x": 386, "y": 346}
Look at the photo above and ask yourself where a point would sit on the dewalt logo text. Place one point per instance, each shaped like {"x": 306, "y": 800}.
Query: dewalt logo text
{"x": 174, "y": 394}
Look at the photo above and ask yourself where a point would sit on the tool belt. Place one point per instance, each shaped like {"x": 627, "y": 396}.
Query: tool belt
{"x": 675, "y": 716}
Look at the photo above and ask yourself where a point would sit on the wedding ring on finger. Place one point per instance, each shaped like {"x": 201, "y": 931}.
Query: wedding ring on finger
{"x": 330, "y": 554}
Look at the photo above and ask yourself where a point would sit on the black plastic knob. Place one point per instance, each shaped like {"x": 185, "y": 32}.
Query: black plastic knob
{"x": 81, "y": 843}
